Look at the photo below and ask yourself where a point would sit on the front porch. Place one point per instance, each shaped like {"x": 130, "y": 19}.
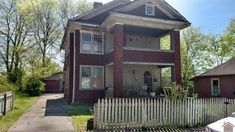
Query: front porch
{"x": 141, "y": 79}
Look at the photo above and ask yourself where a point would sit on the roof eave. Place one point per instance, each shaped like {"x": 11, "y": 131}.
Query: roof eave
{"x": 62, "y": 46}
{"x": 211, "y": 76}
{"x": 120, "y": 18}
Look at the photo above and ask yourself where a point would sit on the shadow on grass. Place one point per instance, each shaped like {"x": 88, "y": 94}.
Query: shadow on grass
{"x": 80, "y": 109}
{"x": 80, "y": 114}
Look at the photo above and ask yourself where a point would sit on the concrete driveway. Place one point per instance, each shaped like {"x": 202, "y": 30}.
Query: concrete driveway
{"x": 46, "y": 115}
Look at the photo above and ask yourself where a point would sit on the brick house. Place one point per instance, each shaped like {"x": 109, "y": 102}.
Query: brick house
{"x": 119, "y": 49}
{"x": 217, "y": 82}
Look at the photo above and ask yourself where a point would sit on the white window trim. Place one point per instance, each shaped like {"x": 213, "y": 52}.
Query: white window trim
{"x": 92, "y": 34}
{"x": 80, "y": 80}
{"x": 213, "y": 79}
{"x": 149, "y": 5}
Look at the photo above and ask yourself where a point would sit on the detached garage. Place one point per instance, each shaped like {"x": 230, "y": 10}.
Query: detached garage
{"x": 217, "y": 82}
{"x": 54, "y": 83}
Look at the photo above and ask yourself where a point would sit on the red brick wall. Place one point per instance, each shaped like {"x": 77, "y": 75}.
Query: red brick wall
{"x": 71, "y": 55}
{"x": 85, "y": 59}
{"x": 202, "y": 86}
{"x": 175, "y": 40}
{"x": 78, "y": 62}
{"x": 149, "y": 56}
{"x": 89, "y": 95}
{"x": 118, "y": 61}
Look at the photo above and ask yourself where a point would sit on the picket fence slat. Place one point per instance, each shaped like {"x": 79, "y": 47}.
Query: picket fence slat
{"x": 122, "y": 113}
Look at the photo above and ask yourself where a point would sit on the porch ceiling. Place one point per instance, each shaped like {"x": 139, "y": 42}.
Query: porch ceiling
{"x": 144, "y": 31}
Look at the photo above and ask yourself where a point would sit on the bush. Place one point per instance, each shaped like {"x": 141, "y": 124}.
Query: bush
{"x": 5, "y": 85}
{"x": 15, "y": 75}
{"x": 177, "y": 92}
{"x": 34, "y": 86}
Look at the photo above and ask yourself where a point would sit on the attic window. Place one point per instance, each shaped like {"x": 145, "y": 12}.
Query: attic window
{"x": 149, "y": 10}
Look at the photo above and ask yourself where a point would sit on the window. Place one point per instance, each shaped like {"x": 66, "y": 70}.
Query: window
{"x": 92, "y": 77}
{"x": 149, "y": 10}
{"x": 91, "y": 43}
{"x": 215, "y": 87}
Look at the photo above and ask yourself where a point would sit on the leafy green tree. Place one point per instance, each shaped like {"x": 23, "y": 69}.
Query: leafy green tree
{"x": 201, "y": 52}
{"x": 195, "y": 54}
{"x": 14, "y": 30}
{"x": 70, "y": 8}
{"x": 45, "y": 26}
{"x": 228, "y": 40}
{"x": 14, "y": 39}
{"x": 30, "y": 35}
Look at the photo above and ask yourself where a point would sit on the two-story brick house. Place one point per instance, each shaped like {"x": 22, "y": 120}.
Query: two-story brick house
{"x": 117, "y": 49}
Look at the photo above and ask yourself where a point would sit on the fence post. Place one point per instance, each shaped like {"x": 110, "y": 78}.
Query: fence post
{"x": 226, "y": 107}
{"x": 5, "y": 104}
{"x": 12, "y": 100}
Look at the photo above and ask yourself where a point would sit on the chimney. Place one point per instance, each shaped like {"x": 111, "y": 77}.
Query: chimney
{"x": 97, "y": 4}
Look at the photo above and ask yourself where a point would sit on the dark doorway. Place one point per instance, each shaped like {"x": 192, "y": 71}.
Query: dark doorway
{"x": 148, "y": 81}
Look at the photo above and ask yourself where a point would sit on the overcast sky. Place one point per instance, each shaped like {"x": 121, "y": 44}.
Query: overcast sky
{"x": 212, "y": 16}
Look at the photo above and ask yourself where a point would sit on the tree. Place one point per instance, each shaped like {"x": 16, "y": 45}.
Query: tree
{"x": 228, "y": 40}
{"x": 45, "y": 26}
{"x": 201, "y": 52}
{"x": 71, "y": 8}
{"x": 195, "y": 54}
{"x": 14, "y": 38}
{"x": 30, "y": 34}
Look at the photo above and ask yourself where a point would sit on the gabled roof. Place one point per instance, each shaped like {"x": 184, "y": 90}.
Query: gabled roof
{"x": 102, "y": 10}
{"x": 98, "y": 15}
{"x": 227, "y": 68}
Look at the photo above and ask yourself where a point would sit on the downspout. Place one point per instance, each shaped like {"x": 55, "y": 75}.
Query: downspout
{"x": 74, "y": 67}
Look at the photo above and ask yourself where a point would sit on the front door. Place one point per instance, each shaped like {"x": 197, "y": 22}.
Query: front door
{"x": 148, "y": 81}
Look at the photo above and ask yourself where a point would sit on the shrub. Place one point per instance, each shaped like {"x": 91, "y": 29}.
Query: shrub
{"x": 5, "y": 85}
{"x": 34, "y": 86}
{"x": 177, "y": 91}
{"x": 15, "y": 75}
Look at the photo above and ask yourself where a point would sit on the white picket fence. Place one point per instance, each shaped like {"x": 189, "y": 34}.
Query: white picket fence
{"x": 6, "y": 102}
{"x": 123, "y": 113}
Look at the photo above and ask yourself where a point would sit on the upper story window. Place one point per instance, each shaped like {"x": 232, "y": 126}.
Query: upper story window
{"x": 149, "y": 10}
{"x": 91, "y": 43}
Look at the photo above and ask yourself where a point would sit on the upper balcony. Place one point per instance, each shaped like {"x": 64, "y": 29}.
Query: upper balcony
{"x": 142, "y": 44}
{"x": 147, "y": 39}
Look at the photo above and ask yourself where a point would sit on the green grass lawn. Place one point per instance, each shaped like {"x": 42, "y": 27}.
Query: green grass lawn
{"x": 22, "y": 103}
{"x": 80, "y": 114}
